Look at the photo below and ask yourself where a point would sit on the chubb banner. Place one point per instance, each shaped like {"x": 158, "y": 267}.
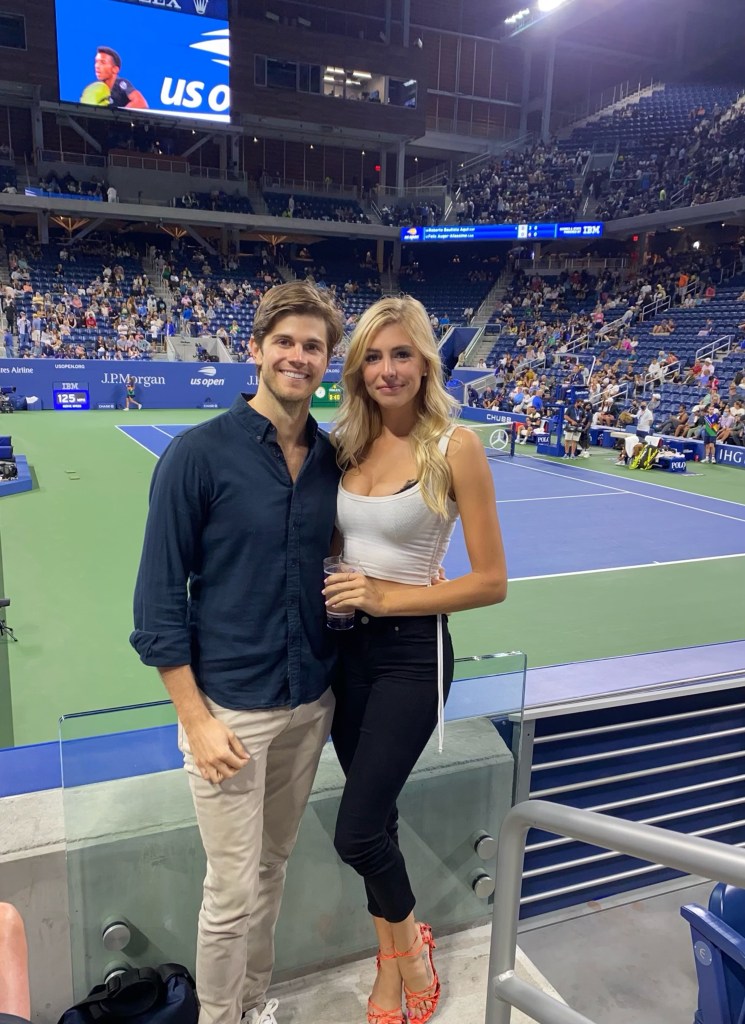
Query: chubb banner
{"x": 168, "y": 56}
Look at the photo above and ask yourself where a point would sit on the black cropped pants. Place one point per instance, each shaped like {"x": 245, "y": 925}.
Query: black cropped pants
{"x": 386, "y": 710}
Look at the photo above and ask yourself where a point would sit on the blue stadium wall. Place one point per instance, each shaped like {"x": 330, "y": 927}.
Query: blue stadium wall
{"x": 159, "y": 384}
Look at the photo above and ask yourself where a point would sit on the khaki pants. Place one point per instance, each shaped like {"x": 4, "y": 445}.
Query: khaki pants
{"x": 248, "y": 826}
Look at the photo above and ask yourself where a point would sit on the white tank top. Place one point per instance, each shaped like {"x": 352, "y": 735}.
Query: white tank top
{"x": 396, "y": 536}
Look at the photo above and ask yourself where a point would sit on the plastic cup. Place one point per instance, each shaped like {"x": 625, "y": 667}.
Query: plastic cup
{"x": 338, "y": 620}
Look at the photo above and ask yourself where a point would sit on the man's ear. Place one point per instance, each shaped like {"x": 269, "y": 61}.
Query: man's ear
{"x": 255, "y": 349}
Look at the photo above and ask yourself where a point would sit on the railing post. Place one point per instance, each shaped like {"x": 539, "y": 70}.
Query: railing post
{"x": 690, "y": 854}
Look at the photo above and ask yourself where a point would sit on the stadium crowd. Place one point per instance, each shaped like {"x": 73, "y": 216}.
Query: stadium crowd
{"x": 704, "y": 165}
{"x": 536, "y": 184}
{"x": 93, "y": 307}
{"x": 554, "y": 331}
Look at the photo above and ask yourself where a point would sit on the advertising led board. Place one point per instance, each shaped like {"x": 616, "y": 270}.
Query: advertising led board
{"x": 166, "y": 56}
{"x": 501, "y": 232}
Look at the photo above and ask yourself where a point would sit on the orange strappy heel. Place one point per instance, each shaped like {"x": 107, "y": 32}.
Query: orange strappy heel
{"x": 376, "y": 1014}
{"x": 430, "y": 994}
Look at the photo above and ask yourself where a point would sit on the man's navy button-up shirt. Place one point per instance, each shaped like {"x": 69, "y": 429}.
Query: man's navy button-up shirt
{"x": 226, "y": 518}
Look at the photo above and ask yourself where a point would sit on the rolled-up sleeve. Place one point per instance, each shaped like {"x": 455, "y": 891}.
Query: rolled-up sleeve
{"x": 179, "y": 498}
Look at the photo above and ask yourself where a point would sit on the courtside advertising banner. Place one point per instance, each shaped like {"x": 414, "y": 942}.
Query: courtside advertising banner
{"x": 167, "y": 56}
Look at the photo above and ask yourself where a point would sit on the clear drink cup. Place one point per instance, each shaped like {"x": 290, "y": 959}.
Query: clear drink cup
{"x": 334, "y": 619}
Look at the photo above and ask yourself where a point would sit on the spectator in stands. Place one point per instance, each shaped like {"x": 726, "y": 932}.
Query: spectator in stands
{"x": 681, "y": 423}
{"x": 726, "y": 423}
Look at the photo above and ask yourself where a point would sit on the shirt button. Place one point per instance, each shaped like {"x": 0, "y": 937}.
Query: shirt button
{"x": 364, "y": 620}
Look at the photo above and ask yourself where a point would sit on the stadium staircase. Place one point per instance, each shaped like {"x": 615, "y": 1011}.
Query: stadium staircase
{"x": 609, "y": 109}
{"x": 258, "y": 203}
{"x": 4, "y": 279}
{"x": 486, "y": 310}
{"x": 389, "y": 283}
{"x": 285, "y": 271}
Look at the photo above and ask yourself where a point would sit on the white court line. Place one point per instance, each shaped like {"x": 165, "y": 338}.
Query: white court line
{"x": 621, "y": 568}
{"x": 637, "y": 483}
{"x": 164, "y": 431}
{"x": 123, "y": 428}
{"x": 561, "y": 497}
{"x": 641, "y": 494}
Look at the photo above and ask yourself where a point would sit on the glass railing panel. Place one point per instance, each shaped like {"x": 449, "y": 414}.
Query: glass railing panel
{"x": 135, "y": 858}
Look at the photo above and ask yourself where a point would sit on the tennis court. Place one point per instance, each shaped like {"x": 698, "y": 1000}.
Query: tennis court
{"x": 602, "y": 562}
{"x": 597, "y": 526}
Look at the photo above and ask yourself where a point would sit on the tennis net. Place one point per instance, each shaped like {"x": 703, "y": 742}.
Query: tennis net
{"x": 498, "y": 439}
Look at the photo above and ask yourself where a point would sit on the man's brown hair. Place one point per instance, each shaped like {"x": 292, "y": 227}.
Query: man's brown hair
{"x": 297, "y": 298}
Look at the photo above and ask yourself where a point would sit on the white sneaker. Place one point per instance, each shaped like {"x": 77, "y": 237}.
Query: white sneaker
{"x": 266, "y": 1016}
{"x": 585, "y": 455}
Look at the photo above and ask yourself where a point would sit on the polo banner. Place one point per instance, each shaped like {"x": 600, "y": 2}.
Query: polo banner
{"x": 166, "y": 56}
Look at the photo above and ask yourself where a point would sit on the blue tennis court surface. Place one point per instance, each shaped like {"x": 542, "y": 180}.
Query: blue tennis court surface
{"x": 560, "y": 518}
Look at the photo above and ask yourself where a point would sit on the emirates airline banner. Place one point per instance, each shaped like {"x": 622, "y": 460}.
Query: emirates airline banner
{"x": 167, "y": 56}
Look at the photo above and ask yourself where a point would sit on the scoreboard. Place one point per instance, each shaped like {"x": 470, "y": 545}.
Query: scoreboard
{"x": 503, "y": 232}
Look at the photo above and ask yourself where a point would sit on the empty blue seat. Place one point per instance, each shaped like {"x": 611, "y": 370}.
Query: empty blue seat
{"x": 718, "y": 935}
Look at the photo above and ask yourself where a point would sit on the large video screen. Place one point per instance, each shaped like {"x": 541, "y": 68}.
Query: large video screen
{"x": 166, "y": 56}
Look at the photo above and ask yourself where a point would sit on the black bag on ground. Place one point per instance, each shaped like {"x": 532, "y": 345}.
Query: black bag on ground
{"x": 143, "y": 995}
{"x": 8, "y": 470}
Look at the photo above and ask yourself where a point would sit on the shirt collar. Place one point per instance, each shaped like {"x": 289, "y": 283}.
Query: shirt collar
{"x": 259, "y": 425}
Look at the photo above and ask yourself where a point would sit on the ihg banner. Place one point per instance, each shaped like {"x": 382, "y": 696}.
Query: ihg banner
{"x": 102, "y": 384}
{"x": 168, "y": 56}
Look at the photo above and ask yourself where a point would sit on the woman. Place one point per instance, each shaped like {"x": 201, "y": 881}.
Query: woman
{"x": 130, "y": 399}
{"x": 409, "y": 472}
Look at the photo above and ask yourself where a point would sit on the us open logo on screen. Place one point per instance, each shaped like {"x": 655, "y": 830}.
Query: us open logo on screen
{"x": 192, "y": 95}
{"x": 161, "y": 56}
{"x": 208, "y": 371}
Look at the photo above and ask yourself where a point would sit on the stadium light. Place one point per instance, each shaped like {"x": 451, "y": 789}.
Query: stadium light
{"x": 517, "y": 17}
{"x": 546, "y": 6}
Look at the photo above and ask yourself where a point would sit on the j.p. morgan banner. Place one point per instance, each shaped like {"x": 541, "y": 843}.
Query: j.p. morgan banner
{"x": 158, "y": 384}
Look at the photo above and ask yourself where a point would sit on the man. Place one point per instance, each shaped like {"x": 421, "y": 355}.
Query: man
{"x": 644, "y": 418}
{"x": 572, "y": 430}
{"x": 709, "y": 434}
{"x": 243, "y": 508}
{"x": 121, "y": 92}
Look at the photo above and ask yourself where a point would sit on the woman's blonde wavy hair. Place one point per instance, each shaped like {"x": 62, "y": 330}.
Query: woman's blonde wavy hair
{"x": 359, "y": 421}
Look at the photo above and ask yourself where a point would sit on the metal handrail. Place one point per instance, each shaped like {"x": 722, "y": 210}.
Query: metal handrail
{"x": 723, "y": 342}
{"x": 690, "y": 854}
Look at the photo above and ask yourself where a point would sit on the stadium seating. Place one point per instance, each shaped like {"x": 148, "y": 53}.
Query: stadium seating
{"x": 314, "y": 207}
{"x": 718, "y": 937}
{"x": 217, "y": 200}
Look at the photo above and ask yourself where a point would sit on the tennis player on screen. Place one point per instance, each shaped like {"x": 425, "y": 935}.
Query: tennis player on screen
{"x": 109, "y": 89}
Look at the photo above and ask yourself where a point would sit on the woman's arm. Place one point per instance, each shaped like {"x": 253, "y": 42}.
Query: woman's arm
{"x": 485, "y": 584}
